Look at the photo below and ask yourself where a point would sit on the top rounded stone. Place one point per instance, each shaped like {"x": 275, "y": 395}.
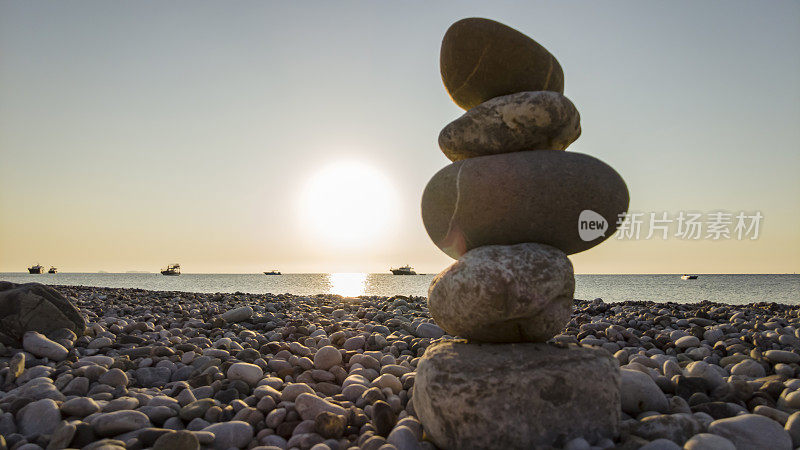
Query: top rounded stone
{"x": 482, "y": 59}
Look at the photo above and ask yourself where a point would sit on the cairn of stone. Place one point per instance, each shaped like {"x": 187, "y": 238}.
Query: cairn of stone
{"x": 508, "y": 210}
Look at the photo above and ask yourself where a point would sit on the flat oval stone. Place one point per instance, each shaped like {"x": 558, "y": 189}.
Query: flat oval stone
{"x": 539, "y": 120}
{"x": 482, "y": 59}
{"x": 512, "y": 198}
{"x": 504, "y": 293}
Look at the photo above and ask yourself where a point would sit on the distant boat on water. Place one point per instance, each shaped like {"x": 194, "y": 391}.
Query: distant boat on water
{"x": 37, "y": 269}
{"x": 688, "y": 277}
{"x": 405, "y": 270}
{"x": 272, "y": 272}
{"x": 172, "y": 269}
{"x": 52, "y": 270}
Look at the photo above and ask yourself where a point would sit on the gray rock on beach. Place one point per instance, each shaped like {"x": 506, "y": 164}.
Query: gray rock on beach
{"x": 118, "y": 422}
{"x": 238, "y": 315}
{"x": 309, "y": 405}
{"x": 180, "y": 440}
{"x": 35, "y": 307}
{"x": 39, "y": 417}
{"x": 41, "y": 346}
{"x": 515, "y": 395}
{"x": 504, "y": 293}
{"x": 429, "y": 330}
{"x": 640, "y": 393}
{"x": 233, "y": 434}
{"x": 327, "y": 357}
{"x": 249, "y": 373}
{"x": 537, "y": 120}
{"x": 782, "y": 356}
{"x": 708, "y": 441}
{"x": 752, "y": 431}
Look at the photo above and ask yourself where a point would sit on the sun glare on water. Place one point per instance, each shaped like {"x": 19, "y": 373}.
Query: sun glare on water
{"x": 348, "y": 204}
{"x": 347, "y": 284}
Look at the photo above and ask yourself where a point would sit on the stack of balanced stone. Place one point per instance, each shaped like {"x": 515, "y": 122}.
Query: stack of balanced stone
{"x": 508, "y": 209}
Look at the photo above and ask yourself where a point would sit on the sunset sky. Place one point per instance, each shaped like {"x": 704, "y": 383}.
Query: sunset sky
{"x": 299, "y": 136}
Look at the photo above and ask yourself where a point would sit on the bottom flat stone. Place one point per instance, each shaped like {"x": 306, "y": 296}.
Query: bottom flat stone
{"x": 524, "y": 395}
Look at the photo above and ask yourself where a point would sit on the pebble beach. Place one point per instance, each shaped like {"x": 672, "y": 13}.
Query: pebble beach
{"x": 183, "y": 370}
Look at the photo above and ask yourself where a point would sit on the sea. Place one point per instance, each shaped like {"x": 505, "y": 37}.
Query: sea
{"x": 722, "y": 288}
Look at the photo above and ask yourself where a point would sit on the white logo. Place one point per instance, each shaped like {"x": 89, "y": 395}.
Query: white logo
{"x": 591, "y": 225}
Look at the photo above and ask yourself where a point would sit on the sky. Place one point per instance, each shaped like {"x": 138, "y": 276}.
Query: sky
{"x": 299, "y": 136}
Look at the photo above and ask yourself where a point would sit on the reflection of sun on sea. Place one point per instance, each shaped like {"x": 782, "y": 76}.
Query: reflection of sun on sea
{"x": 348, "y": 204}
{"x": 347, "y": 284}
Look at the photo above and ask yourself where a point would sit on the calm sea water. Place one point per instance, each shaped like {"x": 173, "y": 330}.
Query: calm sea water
{"x": 733, "y": 289}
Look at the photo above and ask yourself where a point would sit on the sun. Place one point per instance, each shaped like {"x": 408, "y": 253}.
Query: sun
{"x": 348, "y": 203}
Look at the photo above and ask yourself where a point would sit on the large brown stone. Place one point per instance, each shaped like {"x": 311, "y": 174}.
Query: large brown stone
{"x": 515, "y": 396}
{"x": 482, "y": 59}
{"x": 512, "y": 198}
{"x": 35, "y": 307}
{"x": 539, "y": 120}
{"x": 504, "y": 293}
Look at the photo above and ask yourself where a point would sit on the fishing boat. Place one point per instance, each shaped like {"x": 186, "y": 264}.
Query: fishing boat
{"x": 405, "y": 270}
{"x": 272, "y": 272}
{"x": 37, "y": 269}
{"x": 688, "y": 277}
{"x": 52, "y": 270}
{"x": 172, "y": 269}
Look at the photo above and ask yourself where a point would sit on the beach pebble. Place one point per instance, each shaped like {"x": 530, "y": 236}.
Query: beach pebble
{"x": 293, "y": 390}
{"x": 748, "y": 368}
{"x": 577, "y": 444}
{"x": 38, "y": 417}
{"x": 752, "y": 431}
{"x": 660, "y": 444}
{"x": 782, "y": 356}
{"x": 640, "y": 393}
{"x": 354, "y": 343}
{"x": 674, "y": 427}
{"x": 540, "y": 120}
{"x": 327, "y": 357}
{"x": 463, "y": 209}
{"x": 429, "y": 330}
{"x": 249, "y": 373}
{"x": 39, "y": 345}
{"x": 79, "y": 407}
{"x": 238, "y": 315}
{"x": 544, "y": 394}
{"x": 687, "y": 342}
{"x": 708, "y": 441}
{"x": 153, "y": 376}
{"x": 713, "y": 335}
{"x": 62, "y": 436}
{"x": 403, "y": 438}
{"x": 482, "y": 59}
{"x": 330, "y": 425}
{"x": 390, "y": 381}
{"x": 100, "y": 342}
{"x": 180, "y": 440}
{"x": 504, "y": 293}
{"x": 233, "y": 434}
{"x": 710, "y": 373}
{"x": 309, "y": 405}
{"x": 117, "y": 422}
{"x": 793, "y": 428}
{"x": 114, "y": 377}
{"x": 77, "y": 386}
